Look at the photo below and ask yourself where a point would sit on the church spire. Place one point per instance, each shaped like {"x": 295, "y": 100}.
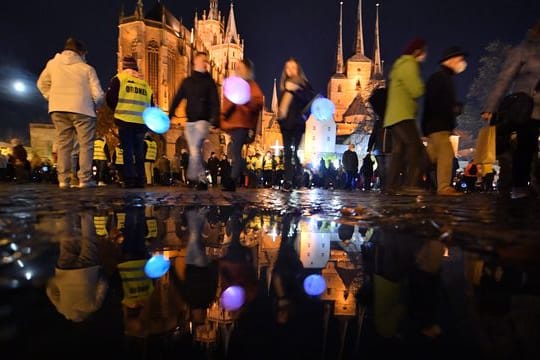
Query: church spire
{"x": 213, "y": 13}
{"x": 339, "y": 54}
{"x": 377, "y": 62}
{"x": 359, "y": 31}
{"x": 231, "y": 34}
{"x": 139, "y": 10}
{"x": 274, "y": 104}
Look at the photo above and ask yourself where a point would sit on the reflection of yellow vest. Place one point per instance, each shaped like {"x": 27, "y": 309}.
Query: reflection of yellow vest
{"x": 137, "y": 287}
{"x": 151, "y": 225}
{"x": 99, "y": 150}
{"x": 133, "y": 97}
{"x": 119, "y": 156}
{"x": 100, "y": 222}
{"x": 267, "y": 164}
{"x": 120, "y": 220}
{"x": 151, "y": 150}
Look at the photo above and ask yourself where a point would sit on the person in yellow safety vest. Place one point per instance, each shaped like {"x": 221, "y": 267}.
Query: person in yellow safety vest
{"x": 101, "y": 158}
{"x": 150, "y": 156}
{"x": 258, "y": 168}
{"x": 100, "y": 223}
{"x": 118, "y": 161}
{"x": 268, "y": 167}
{"x": 129, "y": 95}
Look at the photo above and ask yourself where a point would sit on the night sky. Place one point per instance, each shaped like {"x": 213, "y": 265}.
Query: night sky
{"x": 32, "y": 31}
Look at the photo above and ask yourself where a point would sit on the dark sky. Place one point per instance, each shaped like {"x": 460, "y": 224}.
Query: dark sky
{"x": 32, "y": 31}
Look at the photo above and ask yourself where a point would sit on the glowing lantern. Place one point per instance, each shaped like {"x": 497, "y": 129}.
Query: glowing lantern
{"x": 323, "y": 109}
{"x": 314, "y": 285}
{"x": 237, "y": 90}
{"x": 233, "y": 298}
{"x": 157, "y": 266}
{"x": 156, "y": 120}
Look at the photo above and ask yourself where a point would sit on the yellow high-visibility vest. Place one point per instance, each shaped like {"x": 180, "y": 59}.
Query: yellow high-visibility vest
{"x": 151, "y": 225}
{"x": 120, "y": 220}
{"x": 100, "y": 223}
{"x": 267, "y": 165}
{"x": 258, "y": 162}
{"x": 119, "y": 156}
{"x": 136, "y": 285}
{"x": 133, "y": 97}
{"x": 151, "y": 150}
{"x": 99, "y": 150}
{"x": 279, "y": 164}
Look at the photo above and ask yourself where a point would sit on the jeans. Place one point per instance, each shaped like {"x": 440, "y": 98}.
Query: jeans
{"x": 132, "y": 140}
{"x": 441, "y": 152}
{"x": 407, "y": 155}
{"x": 68, "y": 127}
{"x": 291, "y": 142}
{"x": 195, "y": 133}
{"x": 351, "y": 179}
{"x": 78, "y": 251}
{"x": 238, "y": 139}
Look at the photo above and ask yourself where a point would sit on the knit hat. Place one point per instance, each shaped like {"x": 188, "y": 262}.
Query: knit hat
{"x": 74, "y": 45}
{"x": 413, "y": 45}
{"x": 129, "y": 62}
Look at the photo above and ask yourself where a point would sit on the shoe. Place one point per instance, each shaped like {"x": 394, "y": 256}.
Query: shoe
{"x": 449, "y": 192}
{"x": 101, "y": 184}
{"x": 63, "y": 185}
{"x": 87, "y": 185}
{"x": 201, "y": 186}
{"x": 519, "y": 193}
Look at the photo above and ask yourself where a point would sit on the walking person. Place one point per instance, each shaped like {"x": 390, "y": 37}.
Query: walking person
{"x": 350, "y": 164}
{"x": 519, "y": 73}
{"x": 406, "y": 87}
{"x": 73, "y": 91}
{"x": 150, "y": 156}
{"x": 295, "y": 97}
{"x": 439, "y": 121}
{"x": 380, "y": 140}
{"x": 213, "y": 168}
{"x": 202, "y": 109}
{"x": 241, "y": 122}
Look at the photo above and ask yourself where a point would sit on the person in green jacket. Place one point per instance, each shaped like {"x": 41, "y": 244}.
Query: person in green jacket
{"x": 406, "y": 87}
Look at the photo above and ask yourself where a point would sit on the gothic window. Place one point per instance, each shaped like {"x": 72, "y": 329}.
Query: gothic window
{"x": 339, "y": 88}
{"x": 214, "y": 42}
{"x": 313, "y": 138}
{"x": 329, "y": 128}
{"x": 153, "y": 68}
{"x": 328, "y": 138}
{"x": 358, "y": 70}
{"x": 134, "y": 45}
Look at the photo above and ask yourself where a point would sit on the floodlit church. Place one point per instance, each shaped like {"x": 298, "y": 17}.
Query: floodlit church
{"x": 164, "y": 48}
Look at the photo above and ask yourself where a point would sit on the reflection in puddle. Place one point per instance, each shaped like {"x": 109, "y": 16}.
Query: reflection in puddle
{"x": 230, "y": 282}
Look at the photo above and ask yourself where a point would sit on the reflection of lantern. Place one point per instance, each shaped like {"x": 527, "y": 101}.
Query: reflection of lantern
{"x": 157, "y": 266}
{"x": 233, "y": 298}
{"x": 323, "y": 109}
{"x": 314, "y": 285}
{"x": 156, "y": 120}
{"x": 237, "y": 90}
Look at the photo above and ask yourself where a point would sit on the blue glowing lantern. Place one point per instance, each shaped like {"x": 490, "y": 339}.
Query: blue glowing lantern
{"x": 156, "y": 120}
{"x": 314, "y": 285}
{"x": 237, "y": 90}
{"x": 323, "y": 109}
{"x": 157, "y": 266}
{"x": 233, "y": 298}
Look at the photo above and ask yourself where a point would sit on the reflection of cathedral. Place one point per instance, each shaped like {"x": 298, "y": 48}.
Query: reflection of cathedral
{"x": 164, "y": 47}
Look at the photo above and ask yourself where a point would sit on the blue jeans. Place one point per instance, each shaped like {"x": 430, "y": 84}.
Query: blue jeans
{"x": 196, "y": 132}
{"x": 70, "y": 127}
{"x": 132, "y": 140}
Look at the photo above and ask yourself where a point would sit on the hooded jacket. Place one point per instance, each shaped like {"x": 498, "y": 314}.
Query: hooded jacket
{"x": 70, "y": 85}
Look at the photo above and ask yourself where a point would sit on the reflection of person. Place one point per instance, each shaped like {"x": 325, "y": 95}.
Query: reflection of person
{"x": 240, "y": 122}
{"x": 73, "y": 91}
{"x": 521, "y": 73}
{"x": 202, "y": 108}
{"x": 78, "y": 288}
{"x": 129, "y": 95}
{"x": 296, "y": 95}
{"x": 406, "y": 87}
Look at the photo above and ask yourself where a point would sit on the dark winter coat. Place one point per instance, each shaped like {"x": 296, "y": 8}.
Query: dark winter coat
{"x": 350, "y": 161}
{"x": 440, "y": 103}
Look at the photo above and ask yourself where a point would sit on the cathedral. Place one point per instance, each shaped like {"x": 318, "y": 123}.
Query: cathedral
{"x": 164, "y": 47}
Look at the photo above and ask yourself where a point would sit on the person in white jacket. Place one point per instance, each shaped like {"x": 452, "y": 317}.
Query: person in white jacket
{"x": 73, "y": 91}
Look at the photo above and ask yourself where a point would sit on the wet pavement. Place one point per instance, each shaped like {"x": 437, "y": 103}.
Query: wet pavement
{"x": 318, "y": 274}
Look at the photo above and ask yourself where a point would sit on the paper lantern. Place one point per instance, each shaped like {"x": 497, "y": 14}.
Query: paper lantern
{"x": 237, "y": 90}
{"x": 314, "y": 285}
{"x": 233, "y": 298}
{"x": 156, "y": 120}
{"x": 157, "y": 266}
{"x": 323, "y": 109}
